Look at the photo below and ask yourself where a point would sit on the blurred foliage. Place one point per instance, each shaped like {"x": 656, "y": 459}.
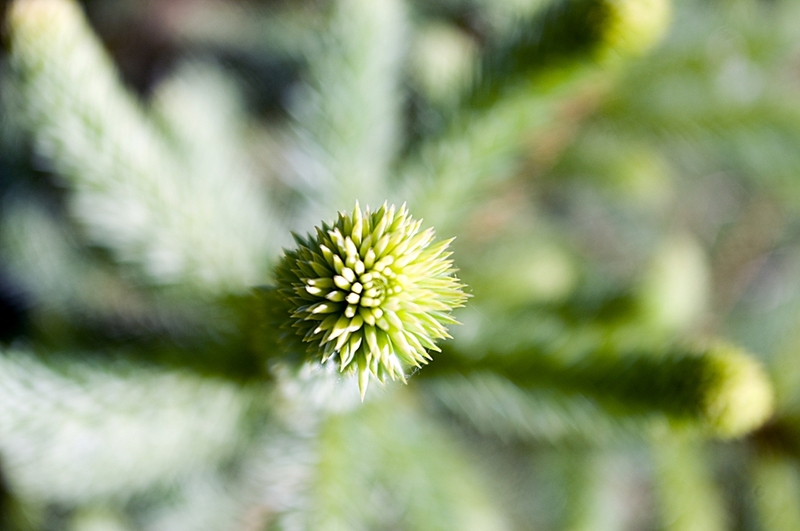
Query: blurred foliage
{"x": 621, "y": 179}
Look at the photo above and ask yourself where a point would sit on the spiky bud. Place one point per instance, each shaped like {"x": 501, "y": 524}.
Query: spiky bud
{"x": 372, "y": 291}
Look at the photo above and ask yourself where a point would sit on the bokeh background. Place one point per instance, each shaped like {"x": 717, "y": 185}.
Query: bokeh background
{"x": 623, "y": 182}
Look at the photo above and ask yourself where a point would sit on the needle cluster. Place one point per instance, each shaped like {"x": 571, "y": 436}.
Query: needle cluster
{"x": 371, "y": 290}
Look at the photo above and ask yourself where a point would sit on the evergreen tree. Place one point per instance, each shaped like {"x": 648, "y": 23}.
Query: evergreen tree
{"x": 229, "y": 280}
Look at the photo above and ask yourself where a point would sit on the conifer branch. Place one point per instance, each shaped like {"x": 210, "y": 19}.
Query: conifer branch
{"x": 128, "y": 189}
{"x": 520, "y": 88}
{"x": 80, "y": 431}
{"x": 349, "y": 118}
{"x": 720, "y": 390}
{"x": 494, "y": 406}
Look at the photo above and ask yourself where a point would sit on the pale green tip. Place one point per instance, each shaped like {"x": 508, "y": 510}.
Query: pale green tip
{"x": 739, "y": 397}
{"x": 38, "y": 16}
{"x": 371, "y": 291}
{"x": 635, "y": 26}
{"x": 363, "y": 382}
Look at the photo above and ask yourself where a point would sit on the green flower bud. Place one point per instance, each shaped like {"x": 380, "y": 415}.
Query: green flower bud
{"x": 372, "y": 291}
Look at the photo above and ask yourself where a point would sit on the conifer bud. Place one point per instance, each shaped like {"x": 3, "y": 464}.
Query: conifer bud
{"x": 634, "y": 26}
{"x": 372, "y": 291}
{"x": 738, "y": 394}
